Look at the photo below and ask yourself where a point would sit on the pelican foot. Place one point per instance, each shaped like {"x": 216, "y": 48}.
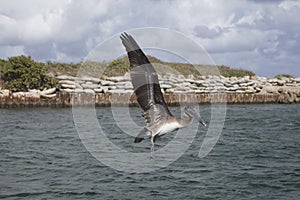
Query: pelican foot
{"x": 151, "y": 157}
{"x": 152, "y": 151}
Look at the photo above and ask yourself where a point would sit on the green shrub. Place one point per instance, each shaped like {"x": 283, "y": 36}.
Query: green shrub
{"x": 21, "y": 73}
{"x": 117, "y": 67}
{"x": 230, "y": 72}
{"x": 280, "y": 76}
{"x": 56, "y": 68}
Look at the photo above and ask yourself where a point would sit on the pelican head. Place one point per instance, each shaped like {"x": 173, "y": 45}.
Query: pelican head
{"x": 191, "y": 111}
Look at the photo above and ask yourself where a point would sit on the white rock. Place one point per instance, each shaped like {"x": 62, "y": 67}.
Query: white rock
{"x": 89, "y": 91}
{"x": 271, "y": 89}
{"x": 180, "y": 77}
{"x": 128, "y": 85}
{"x": 111, "y": 87}
{"x": 32, "y": 94}
{"x": 247, "y": 84}
{"x": 89, "y": 86}
{"x": 170, "y": 90}
{"x": 78, "y": 86}
{"x": 66, "y": 77}
{"x": 68, "y": 86}
{"x": 250, "y": 90}
{"x": 79, "y": 90}
{"x": 120, "y": 86}
{"x": 67, "y": 90}
{"x": 297, "y": 80}
{"x": 191, "y": 77}
{"x": 34, "y": 91}
{"x": 79, "y": 81}
{"x": 166, "y": 86}
{"x": 127, "y": 76}
{"x": 48, "y": 95}
{"x": 287, "y": 80}
{"x": 268, "y": 84}
{"x": 190, "y": 80}
{"x": 247, "y": 78}
{"x": 226, "y": 84}
{"x": 48, "y": 91}
{"x": 281, "y": 82}
{"x": 272, "y": 80}
{"x": 129, "y": 91}
{"x": 219, "y": 88}
{"x": 199, "y": 82}
{"x": 233, "y": 78}
{"x": 193, "y": 86}
{"x": 219, "y": 84}
{"x": 4, "y": 93}
{"x": 260, "y": 78}
{"x": 107, "y": 83}
{"x": 68, "y": 82}
{"x": 105, "y": 89}
{"x": 232, "y": 88}
{"x": 98, "y": 90}
{"x": 90, "y": 79}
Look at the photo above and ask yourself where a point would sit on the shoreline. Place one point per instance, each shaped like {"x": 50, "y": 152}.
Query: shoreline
{"x": 175, "y": 88}
{"x": 63, "y": 99}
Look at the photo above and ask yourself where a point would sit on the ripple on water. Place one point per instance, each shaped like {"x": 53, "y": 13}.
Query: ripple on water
{"x": 257, "y": 157}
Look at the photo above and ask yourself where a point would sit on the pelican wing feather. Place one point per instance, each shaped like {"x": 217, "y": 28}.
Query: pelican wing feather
{"x": 143, "y": 76}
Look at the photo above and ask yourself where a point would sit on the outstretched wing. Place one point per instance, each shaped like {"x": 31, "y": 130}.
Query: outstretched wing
{"x": 143, "y": 76}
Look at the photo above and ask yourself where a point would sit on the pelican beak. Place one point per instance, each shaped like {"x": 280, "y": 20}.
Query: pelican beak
{"x": 200, "y": 120}
{"x": 193, "y": 113}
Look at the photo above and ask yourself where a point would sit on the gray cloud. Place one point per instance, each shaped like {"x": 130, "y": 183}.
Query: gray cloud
{"x": 266, "y": 1}
{"x": 66, "y": 30}
{"x": 205, "y": 32}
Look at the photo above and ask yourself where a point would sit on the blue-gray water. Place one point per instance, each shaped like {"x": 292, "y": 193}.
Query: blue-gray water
{"x": 256, "y": 157}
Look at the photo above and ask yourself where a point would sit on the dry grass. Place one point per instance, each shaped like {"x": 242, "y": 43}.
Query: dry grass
{"x": 120, "y": 66}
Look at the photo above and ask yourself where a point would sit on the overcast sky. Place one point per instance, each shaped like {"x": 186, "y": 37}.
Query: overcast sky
{"x": 259, "y": 35}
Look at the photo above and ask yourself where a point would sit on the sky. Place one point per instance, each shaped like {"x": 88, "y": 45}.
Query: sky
{"x": 259, "y": 35}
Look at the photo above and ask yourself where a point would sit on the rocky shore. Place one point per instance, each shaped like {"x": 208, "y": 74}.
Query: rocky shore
{"x": 176, "y": 88}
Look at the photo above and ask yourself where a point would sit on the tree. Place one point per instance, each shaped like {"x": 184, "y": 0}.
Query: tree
{"x": 21, "y": 73}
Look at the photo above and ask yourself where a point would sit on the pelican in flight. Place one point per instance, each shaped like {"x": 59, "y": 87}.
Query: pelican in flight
{"x": 158, "y": 117}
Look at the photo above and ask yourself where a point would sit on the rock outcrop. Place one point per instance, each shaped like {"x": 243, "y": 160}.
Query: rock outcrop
{"x": 237, "y": 90}
{"x": 287, "y": 88}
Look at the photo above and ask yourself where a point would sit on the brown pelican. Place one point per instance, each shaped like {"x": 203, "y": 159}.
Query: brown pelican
{"x": 159, "y": 119}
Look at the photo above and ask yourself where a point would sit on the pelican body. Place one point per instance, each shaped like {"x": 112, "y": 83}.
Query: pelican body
{"x": 158, "y": 117}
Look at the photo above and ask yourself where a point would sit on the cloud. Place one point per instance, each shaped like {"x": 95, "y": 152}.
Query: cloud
{"x": 205, "y": 32}
{"x": 288, "y": 5}
{"x": 67, "y": 30}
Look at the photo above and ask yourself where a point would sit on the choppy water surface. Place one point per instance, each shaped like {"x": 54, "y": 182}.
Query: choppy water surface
{"x": 256, "y": 157}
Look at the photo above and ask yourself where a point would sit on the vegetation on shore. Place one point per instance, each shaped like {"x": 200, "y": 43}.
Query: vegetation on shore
{"x": 281, "y": 76}
{"x": 120, "y": 66}
{"x": 21, "y": 73}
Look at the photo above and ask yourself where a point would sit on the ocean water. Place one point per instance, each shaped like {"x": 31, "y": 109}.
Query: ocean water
{"x": 256, "y": 157}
